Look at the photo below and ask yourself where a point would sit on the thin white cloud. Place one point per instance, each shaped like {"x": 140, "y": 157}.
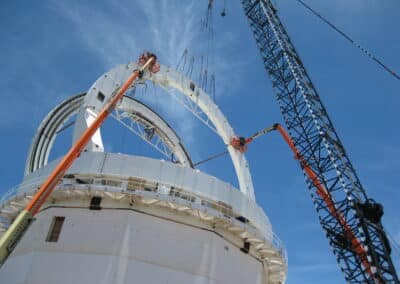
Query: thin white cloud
{"x": 30, "y": 107}
{"x": 171, "y": 26}
{"x": 166, "y": 28}
{"x": 107, "y": 38}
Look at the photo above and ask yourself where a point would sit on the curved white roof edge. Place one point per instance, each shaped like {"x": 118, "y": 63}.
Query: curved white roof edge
{"x": 167, "y": 78}
{"x": 174, "y": 175}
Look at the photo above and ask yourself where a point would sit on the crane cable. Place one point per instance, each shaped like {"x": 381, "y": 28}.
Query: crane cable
{"x": 348, "y": 38}
{"x": 395, "y": 245}
{"x": 239, "y": 143}
{"x": 211, "y": 158}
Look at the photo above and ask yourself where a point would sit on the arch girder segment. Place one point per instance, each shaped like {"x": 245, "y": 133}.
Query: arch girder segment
{"x": 167, "y": 78}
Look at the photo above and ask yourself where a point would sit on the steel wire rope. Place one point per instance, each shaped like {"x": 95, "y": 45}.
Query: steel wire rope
{"x": 395, "y": 245}
{"x": 349, "y": 39}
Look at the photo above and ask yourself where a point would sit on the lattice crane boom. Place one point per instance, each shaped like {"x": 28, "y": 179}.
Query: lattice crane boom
{"x": 314, "y": 136}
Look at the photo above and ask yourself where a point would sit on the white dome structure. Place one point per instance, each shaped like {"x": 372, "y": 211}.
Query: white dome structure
{"x": 119, "y": 218}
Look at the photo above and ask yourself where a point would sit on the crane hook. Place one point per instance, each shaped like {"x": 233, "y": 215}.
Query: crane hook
{"x": 223, "y": 13}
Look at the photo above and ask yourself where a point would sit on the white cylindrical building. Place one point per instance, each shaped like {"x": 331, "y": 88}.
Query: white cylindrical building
{"x": 118, "y": 218}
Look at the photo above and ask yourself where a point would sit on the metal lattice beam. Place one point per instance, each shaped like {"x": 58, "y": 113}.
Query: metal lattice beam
{"x": 139, "y": 126}
{"x": 314, "y": 135}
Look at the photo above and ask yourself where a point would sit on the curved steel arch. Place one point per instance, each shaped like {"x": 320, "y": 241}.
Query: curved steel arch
{"x": 46, "y": 134}
{"x": 167, "y": 78}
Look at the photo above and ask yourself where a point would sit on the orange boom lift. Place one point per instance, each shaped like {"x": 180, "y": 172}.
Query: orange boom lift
{"x": 240, "y": 144}
{"x": 9, "y": 240}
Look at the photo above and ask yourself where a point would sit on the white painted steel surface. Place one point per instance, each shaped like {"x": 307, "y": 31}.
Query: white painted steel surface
{"x": 121, "y": 246}
{"x": 159, "y": 222}
{"x": 166, "y": 78}
{"x": 155, "y": 185}
{"x": 195, "y": 181}
{"x": 136, "y": 111}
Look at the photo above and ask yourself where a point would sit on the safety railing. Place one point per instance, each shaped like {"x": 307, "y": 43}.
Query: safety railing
{"x": 9, "y": 194}
{"x": 139, "y": 184}
{"x": 26, "y": 185}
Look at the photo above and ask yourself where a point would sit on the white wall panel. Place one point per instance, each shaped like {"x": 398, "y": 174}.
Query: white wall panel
{"x": 124, "y": 246}
{"x": 168, "y": 173}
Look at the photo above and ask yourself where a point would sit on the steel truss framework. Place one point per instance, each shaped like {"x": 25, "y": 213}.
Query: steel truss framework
{"x": 145, "y": 130}
{"x": 191, "y": 106}
{"x": 131, "y": 113}
{"x": 315, "y": 137}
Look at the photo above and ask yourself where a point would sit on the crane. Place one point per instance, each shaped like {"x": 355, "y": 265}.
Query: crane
{"x": 351, "y": 220}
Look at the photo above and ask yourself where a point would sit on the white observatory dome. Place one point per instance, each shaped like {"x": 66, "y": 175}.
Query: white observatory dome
{"x": 119, "y": 218}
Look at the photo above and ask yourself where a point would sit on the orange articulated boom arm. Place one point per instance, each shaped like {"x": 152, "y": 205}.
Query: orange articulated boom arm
{"x": 48, "y": 186}
{"x": 20, "y": 224}
{"x": 240, "y": 144}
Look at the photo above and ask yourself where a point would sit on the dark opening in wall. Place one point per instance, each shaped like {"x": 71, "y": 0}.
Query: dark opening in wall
{"x": 100, "y": 96}
{"x": 246, "y": 247}
{"x": 192, "y": 86}
{"x": 95, "y": 203}
{"x": 242, "y": 219}
{"x": 55, "y": 229}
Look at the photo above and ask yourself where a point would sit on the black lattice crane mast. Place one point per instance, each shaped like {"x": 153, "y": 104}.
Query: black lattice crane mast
{"x": 355, "y": 231}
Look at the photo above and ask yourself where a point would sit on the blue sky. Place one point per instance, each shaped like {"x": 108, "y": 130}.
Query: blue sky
{"x": 51, "y": 50}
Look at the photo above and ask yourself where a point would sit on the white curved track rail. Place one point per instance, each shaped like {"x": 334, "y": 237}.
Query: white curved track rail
{"x": 131, "y": 113}
{"x": 167, "y": 78}
{"x": 163, "y": 220}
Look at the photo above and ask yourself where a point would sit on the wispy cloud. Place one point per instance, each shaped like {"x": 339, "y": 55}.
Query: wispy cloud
{"x": 110, "y": 33}
{"x": 108, "y": 39}
{"x": 112, "y": 36}
{"x": 30, "y": 104}
{"x": 171, "y": 26}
